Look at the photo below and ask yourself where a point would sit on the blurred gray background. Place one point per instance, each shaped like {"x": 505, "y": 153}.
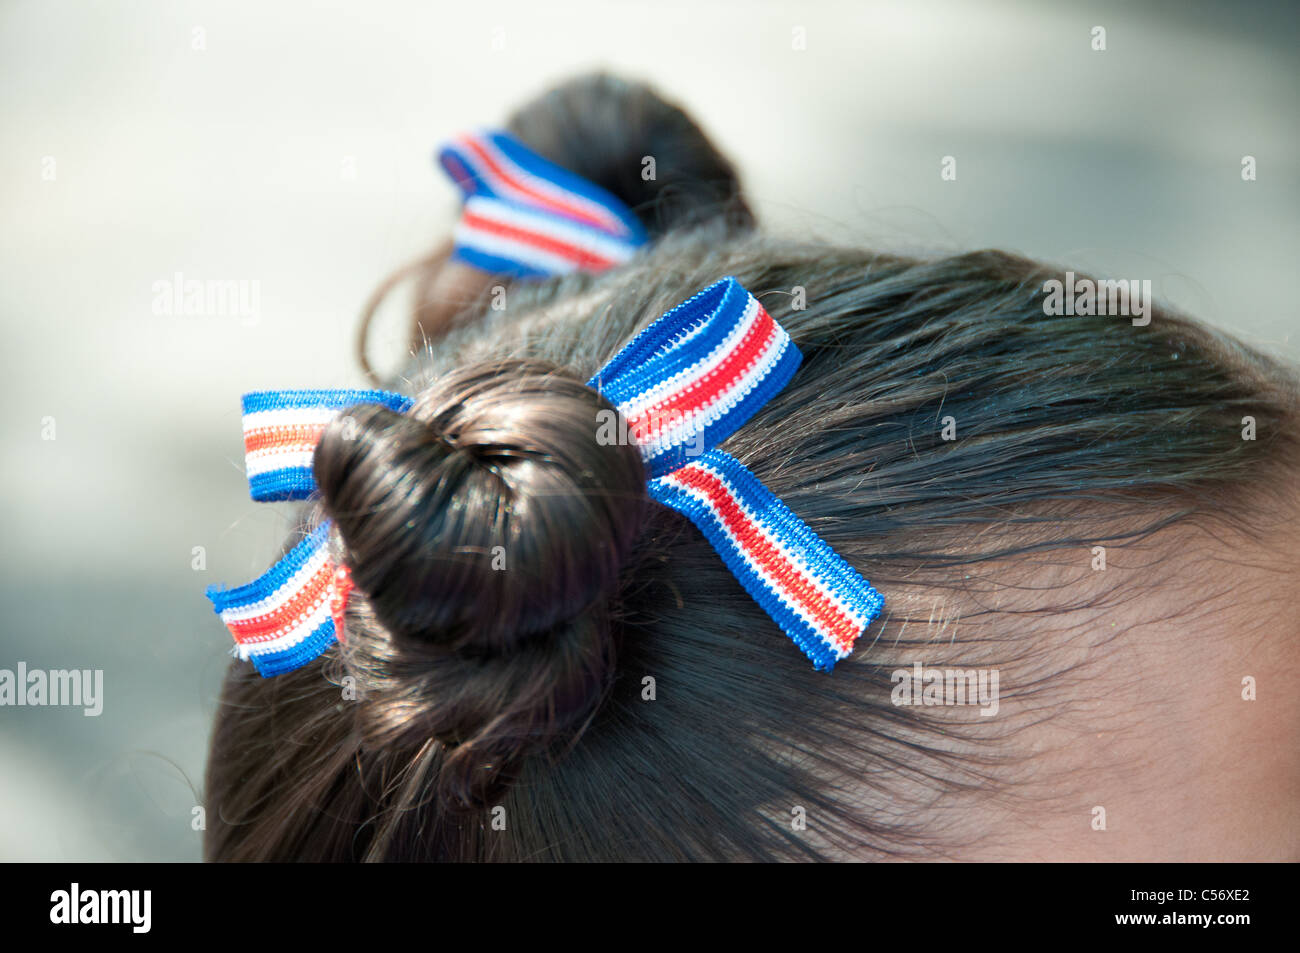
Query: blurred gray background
{"x": 289, "y": 143}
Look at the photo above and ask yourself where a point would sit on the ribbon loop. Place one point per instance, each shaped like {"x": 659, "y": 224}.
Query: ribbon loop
{"x": 527, "y": 217}
{"x": 282, "y": 428}
{"x": 692, "y": 378}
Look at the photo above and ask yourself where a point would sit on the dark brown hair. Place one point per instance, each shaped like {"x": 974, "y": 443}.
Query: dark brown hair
{"x": 498, "y": 642}
{"x": 601, "y": 127}
{"x": 611, "y": 692}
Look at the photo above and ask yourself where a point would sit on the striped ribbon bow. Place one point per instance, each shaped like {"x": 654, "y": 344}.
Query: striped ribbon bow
{"x": 682, "y": 386}
{"x": 527, "y": 217}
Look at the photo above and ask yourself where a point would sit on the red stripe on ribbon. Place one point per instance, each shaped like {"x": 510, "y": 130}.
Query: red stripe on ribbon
{"x": 341, "y": 591}
{"x": 283, "y": 437}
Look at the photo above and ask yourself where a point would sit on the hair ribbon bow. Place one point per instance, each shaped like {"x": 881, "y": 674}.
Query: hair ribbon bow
{"x": 682, "y": 385}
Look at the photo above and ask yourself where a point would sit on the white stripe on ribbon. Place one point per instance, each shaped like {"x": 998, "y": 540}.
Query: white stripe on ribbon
{"x": 289, "y": 417}
{"x": 279, "y": 458}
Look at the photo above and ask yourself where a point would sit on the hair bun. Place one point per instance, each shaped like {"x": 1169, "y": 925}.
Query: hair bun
{"x": 485, "y": 530}
{"x": 603, "y": 128}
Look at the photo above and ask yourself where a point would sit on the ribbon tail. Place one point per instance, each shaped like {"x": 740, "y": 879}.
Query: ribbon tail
{"x": 284, "y": 618}
{"x": 809, "y": 590}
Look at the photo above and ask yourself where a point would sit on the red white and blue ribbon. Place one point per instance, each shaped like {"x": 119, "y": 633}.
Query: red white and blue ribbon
{"x": 527, "y": 217}
{"x": 293, "y": 612}
{"x": 282, "y": 620}
{"x": 282, "y": 428}
{"x": 682, "y": 385}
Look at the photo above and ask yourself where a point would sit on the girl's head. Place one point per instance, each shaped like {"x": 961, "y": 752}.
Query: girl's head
{"x": 617, "y": 134}
{"x": 1089, "y": 522}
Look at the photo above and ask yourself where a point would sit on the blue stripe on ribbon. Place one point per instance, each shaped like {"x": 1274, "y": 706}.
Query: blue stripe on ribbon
{"x": 497, "y": 264}
{"x": 331, "y": 398}
{"x": 282, "y": 485}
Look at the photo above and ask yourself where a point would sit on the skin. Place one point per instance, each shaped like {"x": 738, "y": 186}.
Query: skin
{"x": 1156, "y": 730}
